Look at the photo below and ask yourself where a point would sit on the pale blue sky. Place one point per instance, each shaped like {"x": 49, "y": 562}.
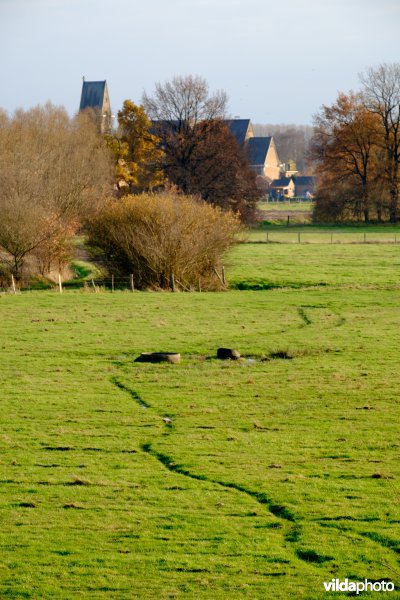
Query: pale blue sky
{"x": 277, "y": 61}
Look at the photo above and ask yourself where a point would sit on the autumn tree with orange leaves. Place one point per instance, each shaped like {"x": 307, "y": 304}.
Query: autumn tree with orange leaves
{"x": 345, "y": 151}
{"x": 356, "y": 151}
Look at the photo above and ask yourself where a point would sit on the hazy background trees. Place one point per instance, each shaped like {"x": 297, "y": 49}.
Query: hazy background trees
{"x": 54, "y": 171}
{"x": 292, "y": 142}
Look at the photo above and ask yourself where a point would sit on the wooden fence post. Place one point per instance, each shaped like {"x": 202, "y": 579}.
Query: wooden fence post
{"x": 298, "y": 237}
{"x": 223, "y": 275}
{"x": 218, "y": 275}
{"x": 172, "y": 282}
{"x": 13, "y": 284}
{"x": 112, "y": 282}
{"x": 60, "y": 283}
{"x": 132, "y": 284}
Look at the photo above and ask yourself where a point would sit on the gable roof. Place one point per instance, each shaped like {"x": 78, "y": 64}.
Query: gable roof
{"x": 257, "y": 149}
{"x": 239, "y": 128}
{"x": 163, "y": 127}
{"x": 282, "y": 182}
{"x": 93, "y": 93}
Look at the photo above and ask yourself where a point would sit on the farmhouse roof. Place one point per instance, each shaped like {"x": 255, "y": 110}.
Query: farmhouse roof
{"x": 282, "y": 182}
{"x": 93, "y": 93}
{"x": 239, "y": 128}
{"x": 257, "y": 149}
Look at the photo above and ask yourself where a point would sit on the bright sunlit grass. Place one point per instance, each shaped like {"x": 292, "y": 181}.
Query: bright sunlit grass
{"x": 277, "y": 472}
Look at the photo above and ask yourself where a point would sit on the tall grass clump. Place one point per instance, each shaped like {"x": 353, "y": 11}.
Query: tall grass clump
{"x": 162, "y": 237}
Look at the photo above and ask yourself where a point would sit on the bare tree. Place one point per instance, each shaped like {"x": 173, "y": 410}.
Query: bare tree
{"x": 185, "y": 101}
{"x": 382, "y": 97}
{"x": 53, "y": 171}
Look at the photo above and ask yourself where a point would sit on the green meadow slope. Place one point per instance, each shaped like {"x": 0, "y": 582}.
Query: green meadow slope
{"x": 276, "y": 473}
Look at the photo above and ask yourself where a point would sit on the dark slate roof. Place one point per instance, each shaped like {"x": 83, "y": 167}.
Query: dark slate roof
{"x": 257, "y": 149}
{"x": 307, "y": 180}
{"x": 239, "y": 128}
{"x": 92, "y": 94}
{"x": 163, "y": 127}
{"x": 282, "y": 182}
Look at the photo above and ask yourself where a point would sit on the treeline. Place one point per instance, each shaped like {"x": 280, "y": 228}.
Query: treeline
{"x": 163, "y": 196}
{"x": 54, "y": 172}
{"x": 355, "y": 150}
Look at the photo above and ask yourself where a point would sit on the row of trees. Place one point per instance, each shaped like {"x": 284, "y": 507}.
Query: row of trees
{"x": 356, "y": 151}
{"x": 57, "y": 175}
{"x": 53, "y": 172}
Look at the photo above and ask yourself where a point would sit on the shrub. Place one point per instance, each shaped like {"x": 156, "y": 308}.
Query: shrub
{"x": 155, "y": 236}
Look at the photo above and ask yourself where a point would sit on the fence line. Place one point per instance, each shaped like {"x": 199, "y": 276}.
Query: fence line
{"x": 106, "y": 284}
{"x": 305, "y": 237}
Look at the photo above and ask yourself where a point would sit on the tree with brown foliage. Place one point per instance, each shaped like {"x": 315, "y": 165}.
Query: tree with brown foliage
{"x": 209, "y": 163}
{"x": 344, "y": 150}
{"x": 201, "y": 156}
{"x": 381, "y": 96}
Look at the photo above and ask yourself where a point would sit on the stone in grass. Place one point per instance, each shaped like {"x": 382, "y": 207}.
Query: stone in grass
{"x": 158, "y": 357}
{"x": 228, "y": 353}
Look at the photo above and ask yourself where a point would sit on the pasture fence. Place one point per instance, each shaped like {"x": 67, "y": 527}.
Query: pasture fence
{"x": 319, "y": 237}
{"x": 112, "y": 283}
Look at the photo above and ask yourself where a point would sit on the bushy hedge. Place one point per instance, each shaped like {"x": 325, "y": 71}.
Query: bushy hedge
{"x": 157, "y": 236}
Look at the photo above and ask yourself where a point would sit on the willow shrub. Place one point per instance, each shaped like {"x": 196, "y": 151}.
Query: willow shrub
{"x": 157, "y": 236}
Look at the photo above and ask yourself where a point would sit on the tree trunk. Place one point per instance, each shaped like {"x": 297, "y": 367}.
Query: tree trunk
{"x": 393, "y": 211}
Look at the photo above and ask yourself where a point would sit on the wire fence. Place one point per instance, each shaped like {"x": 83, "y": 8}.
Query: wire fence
{"x": 111, "y": 284}
{"x": 320, "y": 237}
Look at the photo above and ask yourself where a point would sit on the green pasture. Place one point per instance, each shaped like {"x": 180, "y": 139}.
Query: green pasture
{"x": 268, "y": 476}
{"x": 292, "y": 205}
{"x": 317, "y": 234}
{"x": 277, "y": 213}
{"x": 264, "y": 266}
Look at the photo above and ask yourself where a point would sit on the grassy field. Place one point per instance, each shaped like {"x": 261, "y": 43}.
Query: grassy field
{"x": 316, "y": 234}
{"x": 277, "y": 472}
{"x": 283, "y": 206}
{"x": 277, "y": 213}
{"x": 264, "y": 266}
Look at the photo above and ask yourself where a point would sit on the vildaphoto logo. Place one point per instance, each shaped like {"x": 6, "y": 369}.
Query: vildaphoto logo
{"x": 336, "y": 585}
